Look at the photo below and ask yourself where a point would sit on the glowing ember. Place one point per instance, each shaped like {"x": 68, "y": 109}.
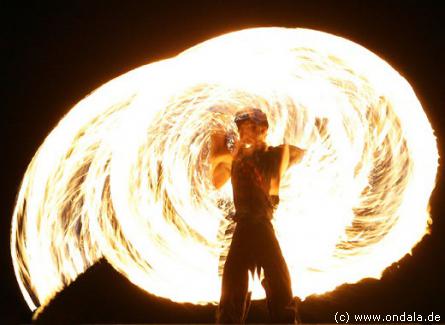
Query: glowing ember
{"x": 125, "y": 174}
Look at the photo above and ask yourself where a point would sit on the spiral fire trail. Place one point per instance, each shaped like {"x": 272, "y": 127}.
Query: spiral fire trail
{"x": 125, "y": 174}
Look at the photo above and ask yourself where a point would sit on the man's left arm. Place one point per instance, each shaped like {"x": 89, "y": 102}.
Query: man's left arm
{"x": 289, "y": 155}
{"x": 295, "y": 155}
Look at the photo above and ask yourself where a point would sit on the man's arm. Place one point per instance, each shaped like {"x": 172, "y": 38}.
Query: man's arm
{"x": 220, "y": 159}
{"x": 220, "y": 174}
{"x": 288, "y": 156}
{"x": 295, "y": 155}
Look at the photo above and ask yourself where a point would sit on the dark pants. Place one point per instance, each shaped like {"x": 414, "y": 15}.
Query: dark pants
{"x": 255, "y": 245}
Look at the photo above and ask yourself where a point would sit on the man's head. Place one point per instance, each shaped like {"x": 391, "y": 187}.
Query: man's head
{"x": 252, "y": 125}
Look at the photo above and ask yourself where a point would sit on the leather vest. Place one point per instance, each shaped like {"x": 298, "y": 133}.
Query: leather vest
{"x": 251, "y": 177}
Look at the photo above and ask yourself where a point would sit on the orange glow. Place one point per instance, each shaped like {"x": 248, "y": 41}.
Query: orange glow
{"x": 125, "y": 174}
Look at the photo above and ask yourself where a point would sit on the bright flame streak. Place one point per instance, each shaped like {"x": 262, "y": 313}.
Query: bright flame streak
{"x": 125, "y": 173}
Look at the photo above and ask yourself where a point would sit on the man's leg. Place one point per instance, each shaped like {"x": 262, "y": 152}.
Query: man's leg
{"x": 233, "y": 303}
{"x": 277, "y": 283}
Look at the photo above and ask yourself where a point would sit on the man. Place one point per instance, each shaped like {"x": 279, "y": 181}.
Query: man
{"x": 255, "y": 170}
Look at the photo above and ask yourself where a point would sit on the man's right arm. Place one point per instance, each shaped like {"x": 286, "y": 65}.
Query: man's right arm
{"x": 220, "y": 159}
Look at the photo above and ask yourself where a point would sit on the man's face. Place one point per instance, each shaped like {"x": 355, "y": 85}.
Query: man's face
{"x": 251, "y": 133}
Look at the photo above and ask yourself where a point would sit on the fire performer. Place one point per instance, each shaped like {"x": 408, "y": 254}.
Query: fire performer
{"x": 255, "y": 170}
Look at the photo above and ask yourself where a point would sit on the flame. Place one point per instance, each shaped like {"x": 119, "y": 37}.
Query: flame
{"x": 125, "y": 174}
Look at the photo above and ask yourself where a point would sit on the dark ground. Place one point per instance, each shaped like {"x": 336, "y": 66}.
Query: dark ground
{"x": 115, "y": 300}
{"x": 53, "y": 56}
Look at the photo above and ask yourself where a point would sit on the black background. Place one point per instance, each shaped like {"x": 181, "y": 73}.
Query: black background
{"x": 54, "y": 55}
